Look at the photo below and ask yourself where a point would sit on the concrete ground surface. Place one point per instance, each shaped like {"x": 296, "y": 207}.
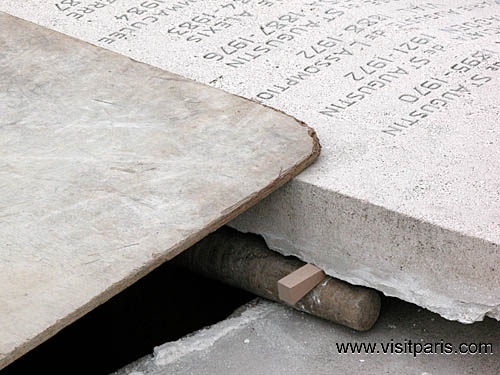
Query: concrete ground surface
{"x": 268, "y": 338}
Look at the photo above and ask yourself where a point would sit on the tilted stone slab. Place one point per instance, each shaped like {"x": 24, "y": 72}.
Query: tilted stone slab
{"x": 405, "y": 98}
{"x": 109, "y": 167}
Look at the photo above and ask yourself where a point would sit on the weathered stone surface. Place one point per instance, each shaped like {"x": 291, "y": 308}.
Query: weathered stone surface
{"x": 404, "y": 96}
{"x": 109, "y": 167}
{"x": 268, "y": 338}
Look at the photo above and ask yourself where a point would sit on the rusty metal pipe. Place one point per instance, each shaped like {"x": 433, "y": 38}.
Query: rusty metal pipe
{"x": 245, "y": 261}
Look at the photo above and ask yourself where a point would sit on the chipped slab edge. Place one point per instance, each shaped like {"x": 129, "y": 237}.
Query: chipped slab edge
{"x": 228, "y": 215}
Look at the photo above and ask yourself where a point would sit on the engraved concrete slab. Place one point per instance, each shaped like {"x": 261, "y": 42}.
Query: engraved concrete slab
{"x": 108, "y": 167}
{"x": 403, "y": 95}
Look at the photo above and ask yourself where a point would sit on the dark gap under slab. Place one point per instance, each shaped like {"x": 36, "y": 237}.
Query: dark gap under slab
{"x": 165, "y": 305}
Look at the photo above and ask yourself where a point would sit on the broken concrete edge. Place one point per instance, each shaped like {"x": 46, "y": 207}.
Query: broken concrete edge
{"x": 226, "y": 216}
{"x": 207, "y": 336}
{"x": 286, "y": 342}
{"x": 203, "y": 338}
{"x": 363, "y": 276}
{"x": 244, "y": 261}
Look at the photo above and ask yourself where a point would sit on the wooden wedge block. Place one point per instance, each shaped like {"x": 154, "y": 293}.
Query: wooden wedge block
{"x": 296, "y": 285}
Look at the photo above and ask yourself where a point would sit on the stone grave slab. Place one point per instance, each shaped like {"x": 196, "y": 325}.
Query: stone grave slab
{"x": 109, "y": 167}
{"x": 405, "y": 98}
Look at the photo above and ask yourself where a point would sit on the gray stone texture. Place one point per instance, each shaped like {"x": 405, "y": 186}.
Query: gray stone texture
{"x": 268, "y": 338}
{"x": 404, "y": 96}
{"x": 109, "y": 167}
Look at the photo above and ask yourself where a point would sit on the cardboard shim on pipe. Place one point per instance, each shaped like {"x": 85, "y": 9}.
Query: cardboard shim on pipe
{"x": 296, "y": 285}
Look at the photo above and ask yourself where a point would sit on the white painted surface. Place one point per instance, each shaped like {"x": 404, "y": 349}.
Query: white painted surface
{"x": 410, "y": 208}
{"x": 109, "y": 167}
